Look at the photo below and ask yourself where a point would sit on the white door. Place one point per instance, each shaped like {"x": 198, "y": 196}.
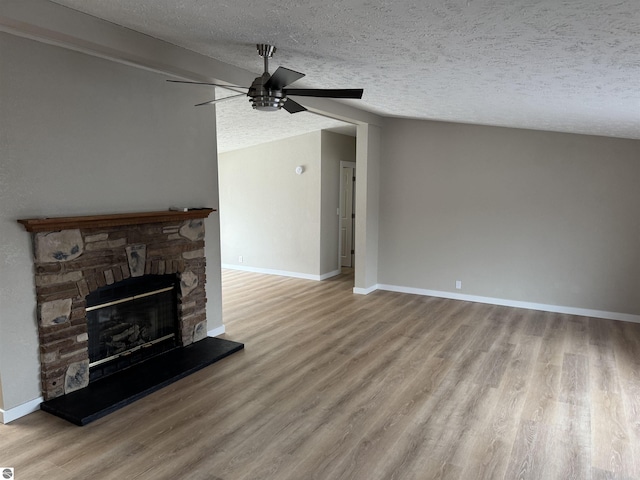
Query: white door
{"x": 347, "y": 218}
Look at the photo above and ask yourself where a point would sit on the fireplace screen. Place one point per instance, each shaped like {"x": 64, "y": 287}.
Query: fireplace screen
{"x": 131, "y": 321}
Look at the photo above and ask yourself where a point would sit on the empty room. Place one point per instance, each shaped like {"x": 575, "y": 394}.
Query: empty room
{"x": 358, "y": 240}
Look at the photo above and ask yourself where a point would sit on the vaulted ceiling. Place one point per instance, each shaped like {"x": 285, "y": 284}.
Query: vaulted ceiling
{"x": 569, "y": 66}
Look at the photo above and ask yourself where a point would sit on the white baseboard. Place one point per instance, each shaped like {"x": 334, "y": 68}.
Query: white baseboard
{"x": 14, "y": 413}
{"x": 324, "y": 276}
{"x": 216, "y": 331}
{"x": 365, "y": 291}
{"x": 584, "y": 312}
{"x": 282, "y": 273}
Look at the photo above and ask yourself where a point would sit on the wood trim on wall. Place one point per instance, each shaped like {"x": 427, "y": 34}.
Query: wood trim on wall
{"x": 111, "y": 220}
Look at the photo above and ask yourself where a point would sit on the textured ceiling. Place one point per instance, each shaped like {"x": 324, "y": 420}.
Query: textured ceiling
{"x": 567, "y": 66}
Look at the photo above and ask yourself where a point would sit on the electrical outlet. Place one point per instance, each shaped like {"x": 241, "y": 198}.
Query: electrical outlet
{"x": 458, "y": 284}
{"x": 240, "y": 259}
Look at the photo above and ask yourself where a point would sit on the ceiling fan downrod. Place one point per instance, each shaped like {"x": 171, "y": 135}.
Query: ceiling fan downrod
{"x": 266, "y": 51}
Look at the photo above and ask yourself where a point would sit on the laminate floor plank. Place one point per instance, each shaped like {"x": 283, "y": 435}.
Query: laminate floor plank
{"x": 528, "y": 454}
{"x": 430, "y": 420}
{"x": 536, "y": 323}
{"x": 574, "y": 384}
{"x": 491, "y": 329}
{"x": 492, "y": 444}
{"x": 630, "y": 394}
{"x": 333, "y": 385}
{"x": 569, "y": 447}
{"x": 625, "y": 343}
{"x": 543, "y": 393}
{"x": 495, "y": 364}
{"x": 577, "y": 335}
{"x": 611, "y": 446}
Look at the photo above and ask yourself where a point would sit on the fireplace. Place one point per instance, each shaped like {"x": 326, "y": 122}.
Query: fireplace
{"x": 120, "y": 308}
{"x": 81, "y": 263}
{"x": 131, "y": 321}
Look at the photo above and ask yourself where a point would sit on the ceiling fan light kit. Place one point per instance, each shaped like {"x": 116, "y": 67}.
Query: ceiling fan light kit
{"x": 267, "y": 93}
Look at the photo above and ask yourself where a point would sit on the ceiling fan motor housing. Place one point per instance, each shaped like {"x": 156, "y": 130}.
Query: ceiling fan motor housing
{"x": 263, "y": 98}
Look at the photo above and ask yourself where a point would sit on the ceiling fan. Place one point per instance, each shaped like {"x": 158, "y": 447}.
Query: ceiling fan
{"x": 269, "y": 93}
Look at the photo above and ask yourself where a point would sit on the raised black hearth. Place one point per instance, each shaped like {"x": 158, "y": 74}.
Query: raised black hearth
{"x": 116, "y": 391}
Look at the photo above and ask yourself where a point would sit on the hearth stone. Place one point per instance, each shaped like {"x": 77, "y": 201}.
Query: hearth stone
{"x": 58, "y": 246}
{"x": 104, "y": 244}
{"x": 77, "y": 376}
{"x": 55, "y": 312}
{"x": 194, "y": 254}
{"x": 136, "y": 256}
{"x": 96, "y": 238}
{"x": 188, "y": 282}
{"x": 57, "y": 278}
{"x": 200, "y": 331}
{"x": 193, "y": 230}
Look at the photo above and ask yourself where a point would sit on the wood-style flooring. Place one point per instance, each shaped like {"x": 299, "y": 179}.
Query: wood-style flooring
{"x": 333, "y": 385}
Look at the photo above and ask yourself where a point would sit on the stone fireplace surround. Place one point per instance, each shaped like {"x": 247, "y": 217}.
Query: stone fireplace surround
{"x": 74, "y": 256}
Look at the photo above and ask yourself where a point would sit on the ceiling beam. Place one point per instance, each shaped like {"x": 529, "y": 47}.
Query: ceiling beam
{"x": 54, "y": 24}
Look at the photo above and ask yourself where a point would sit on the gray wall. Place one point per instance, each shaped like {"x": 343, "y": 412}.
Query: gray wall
{"x": 514, "y": 214}
{"x": 269, "y": 215}
{"x": 277, "y": 220}
{"x": 83, "y": 135}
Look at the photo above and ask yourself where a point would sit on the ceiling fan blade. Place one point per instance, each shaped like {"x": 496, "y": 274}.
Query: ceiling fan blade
{"x": 206, "y": 83}
{"x": 293, "y": 107}
{"x": 218, "y": 100}
{"x": 281, "y": 78}
{"x": 325, "y": 92}
{"x": 233, "y": 88}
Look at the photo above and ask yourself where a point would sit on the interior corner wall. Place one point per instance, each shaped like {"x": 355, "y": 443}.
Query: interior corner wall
{"x": 84, "y": 135}
{"x": 269, "y": 215}
{"x": 335, "y": 148}
{"x": 368, "y": 182}
{"x": 521, "y": 215}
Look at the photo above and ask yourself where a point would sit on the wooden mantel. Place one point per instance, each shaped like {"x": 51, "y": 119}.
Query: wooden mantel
{"x": 112, "y": 220}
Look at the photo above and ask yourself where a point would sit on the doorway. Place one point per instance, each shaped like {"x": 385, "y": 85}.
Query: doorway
{"x": 346, "y": 252}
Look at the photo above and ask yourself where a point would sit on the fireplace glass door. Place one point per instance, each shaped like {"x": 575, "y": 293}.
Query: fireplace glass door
{"x": 131, "y": 321}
